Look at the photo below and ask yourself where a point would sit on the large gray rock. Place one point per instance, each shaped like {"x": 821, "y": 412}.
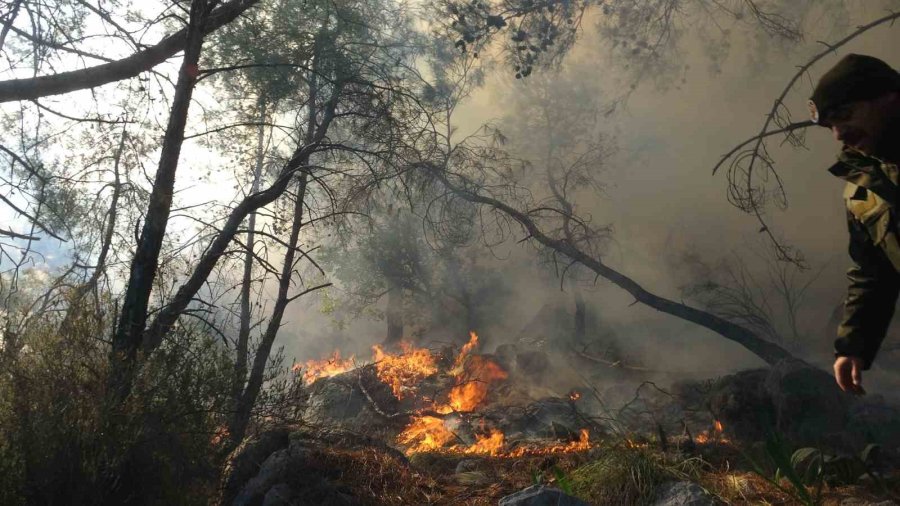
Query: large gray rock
{"x": 275, "y": 470}
{"x": 279, "y": 495}
{"x": 682, "y": 493}
{"x": 800, "y": 402}
{"x": 539, "y": 495}
{"x": 245, "y": 461}
{"x": 809, "y": 407}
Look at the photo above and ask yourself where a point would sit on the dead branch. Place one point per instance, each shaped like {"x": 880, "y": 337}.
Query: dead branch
{"x": 742, "y": 193}
{"x": 463, "y": 188}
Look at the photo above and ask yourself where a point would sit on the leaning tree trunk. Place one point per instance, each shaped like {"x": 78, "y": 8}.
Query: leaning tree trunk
{"x": 241, "y": 416}
{"x": 769, "y": 352}
{"x": 169, "y": 313}
{"x": 133, "y": 316}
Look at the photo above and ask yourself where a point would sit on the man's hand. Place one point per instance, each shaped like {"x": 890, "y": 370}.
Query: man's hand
{"x": 848, "y": 373}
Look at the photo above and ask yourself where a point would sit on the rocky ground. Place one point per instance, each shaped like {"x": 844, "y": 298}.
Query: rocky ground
{"x": 660, "y": 448}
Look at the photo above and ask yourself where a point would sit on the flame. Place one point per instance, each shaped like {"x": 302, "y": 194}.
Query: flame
{"x": 574, "y": 396}
{"x": 473, "y": 374}
{"x": 428, "y": 433}
{"x": 583, "y": 444}
{"x": 402, "y": 372}
{"x": 472, "y": 385}
{"x": 460, "y": 362}
{"x": 490, "y": 444}
{"x": 425, "y": 433}
{"x": 714, "y": 435}
{"x": 325, "y": 368}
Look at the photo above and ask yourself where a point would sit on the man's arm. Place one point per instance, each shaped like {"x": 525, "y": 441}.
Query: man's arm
{"x": 871, "y": 296}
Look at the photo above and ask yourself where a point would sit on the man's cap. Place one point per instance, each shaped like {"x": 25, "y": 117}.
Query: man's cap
{"x": 856, "y": 77}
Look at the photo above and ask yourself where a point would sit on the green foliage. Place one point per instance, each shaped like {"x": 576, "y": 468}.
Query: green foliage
{"x": 627, "y": 476}
{"x": 801, "y": 469}
{"x": 814, "y": 465}
{"x": 60, "y": 443}
{"x": 562, "y": 481}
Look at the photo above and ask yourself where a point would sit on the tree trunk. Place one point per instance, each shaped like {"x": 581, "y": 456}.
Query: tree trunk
{"x": 129, "y": 332}
{"x": 241, "y": 418}
{"x": 394, "y": 316}
{"x": 241, "y": 348}
{"x": 580, "y": 317}
{"x": 171, "y": 311}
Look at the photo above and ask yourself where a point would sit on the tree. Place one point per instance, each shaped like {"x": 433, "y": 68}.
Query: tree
{"x": 113, "y": 70}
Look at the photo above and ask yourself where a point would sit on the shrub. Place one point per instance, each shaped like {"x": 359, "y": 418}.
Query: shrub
{"x": 61, "y": 444}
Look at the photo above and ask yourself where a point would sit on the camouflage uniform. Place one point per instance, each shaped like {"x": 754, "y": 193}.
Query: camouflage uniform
{"x": 871, "y": 199}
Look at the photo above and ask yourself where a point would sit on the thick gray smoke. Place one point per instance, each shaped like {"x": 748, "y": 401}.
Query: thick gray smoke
{"x": 661, "y": 199}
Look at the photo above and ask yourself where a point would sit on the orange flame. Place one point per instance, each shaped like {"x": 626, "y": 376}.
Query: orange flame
{"x": 714, "y": 435}
{"x": 473, "y": 374}
{"x": 428, "y": 433}
{"x": 404, "y": 371}
{"x": 325, "y": 368}
{"x": 574, "y": 396}
{"x": 472, "y": 386}
{"x": 425, "y": 433}
{"x": 460, "y": 362}
{"x": 490, "y": 444}
{"x": 583, "y": 444}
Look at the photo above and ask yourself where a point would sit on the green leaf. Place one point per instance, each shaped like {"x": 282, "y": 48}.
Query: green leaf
{"x": 870, "y": 454}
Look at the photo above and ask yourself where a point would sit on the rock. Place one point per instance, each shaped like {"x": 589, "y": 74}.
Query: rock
{"x": 506, "y": 355}
{"x": 472, "y": 478}
{"x": 742, "y": 405}
{"x": 682, "y": 493}
{"x": 543, "y": 418}
{"x": 533, "y": 364}
{"x": 273, "y": 471}
{"x": 809, "y": 407}
{"x": 539, "y": 495}
{"x": 800, "y": 402}
{"x": 244, "y": 462}
{"x": 279, "y": 495}
{"x": 338, "y": 401}
{"x": 468, "y": 465}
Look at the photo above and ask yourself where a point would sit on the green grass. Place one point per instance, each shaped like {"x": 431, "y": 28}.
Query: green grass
{"x": 628, "y": 476}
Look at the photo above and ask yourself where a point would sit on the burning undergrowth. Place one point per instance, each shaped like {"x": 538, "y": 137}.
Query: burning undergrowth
{"x": 450, "y": 402}
{"x": 418, "y": 426}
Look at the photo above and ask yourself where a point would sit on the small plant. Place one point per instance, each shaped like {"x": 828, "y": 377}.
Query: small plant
{"x": 625, "y": 475}
{"x": 838, "y": 469}
{"x": 560, "y": 479}
{"x": 803, "y": 468}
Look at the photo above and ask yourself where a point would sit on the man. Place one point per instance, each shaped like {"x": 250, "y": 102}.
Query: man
{"x": 859, "y": 101}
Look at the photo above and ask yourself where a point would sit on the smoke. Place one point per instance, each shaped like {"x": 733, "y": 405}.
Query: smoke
{"x": 660, "y": 196}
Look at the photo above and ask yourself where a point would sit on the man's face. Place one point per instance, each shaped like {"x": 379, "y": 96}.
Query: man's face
{"x": 868, "y": 125}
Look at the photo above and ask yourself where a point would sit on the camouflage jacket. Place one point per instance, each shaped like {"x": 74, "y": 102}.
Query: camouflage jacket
{"x": 871, "y": 197}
